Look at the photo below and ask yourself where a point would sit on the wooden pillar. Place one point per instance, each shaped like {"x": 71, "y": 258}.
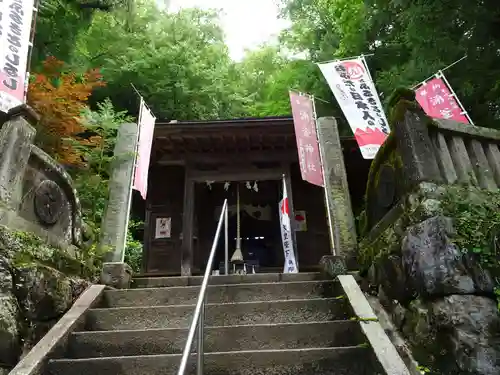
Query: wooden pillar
{"x": 146, "y": 238}
{"x": 337, "y": 191}
{"x": 288, "y": 183}
{"x": 187, "y": 225}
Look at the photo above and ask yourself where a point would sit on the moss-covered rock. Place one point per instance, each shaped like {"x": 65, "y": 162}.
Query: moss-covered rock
{"x": 9, "y": 330}
{"x": 38, "y": 284}
{"x": 43, "y": 292}
{"x": 455, "y": 335}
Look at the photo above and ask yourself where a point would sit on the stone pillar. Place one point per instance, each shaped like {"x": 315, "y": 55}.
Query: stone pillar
{"x": 114, "y": 223}
{"x": 337, "y": 191}
{"x": 16, "y": 139}
{"x": 417, "y": 153}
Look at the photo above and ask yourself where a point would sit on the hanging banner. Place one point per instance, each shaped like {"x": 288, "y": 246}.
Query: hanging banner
{"x": 437, "y": 101}
{"x": 286, "y": 234}
{"x": 304, "y": 120}
{"x": 146, "y": 130}
{"x": 15, "y": 29}
{"x": 355, "y": 92}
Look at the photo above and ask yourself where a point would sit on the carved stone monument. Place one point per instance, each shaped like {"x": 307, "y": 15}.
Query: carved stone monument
{"x": 36, "y": 194}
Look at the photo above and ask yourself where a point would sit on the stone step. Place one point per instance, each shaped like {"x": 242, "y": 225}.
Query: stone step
{"x": 186, "y": 295}
{"x": 313, "y": 361}
{"x": 156, "y": 282}
{"x": 217, "y": 339}
{"x": 225, "y": 314}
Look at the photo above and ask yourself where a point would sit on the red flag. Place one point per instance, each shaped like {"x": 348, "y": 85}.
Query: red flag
{"x": 437, "y": 101}
{"x": 307, "y": 141}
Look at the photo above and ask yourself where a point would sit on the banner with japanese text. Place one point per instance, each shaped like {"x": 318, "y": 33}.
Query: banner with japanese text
{"x": 437, "y": 101}
{"x": 146, "y": 129}
{"x": 286, "y": 234}
{"x": 352, "y": 86}
{"x": 304, "y": 120}
{"x": 15, "y": 30}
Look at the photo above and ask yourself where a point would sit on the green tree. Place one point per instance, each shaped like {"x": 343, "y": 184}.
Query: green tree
{"x": 268, "y": 74}
{"x": 60, "y": 21}
{"x": 410, "y": 41}
{"x": 178, "y": 61}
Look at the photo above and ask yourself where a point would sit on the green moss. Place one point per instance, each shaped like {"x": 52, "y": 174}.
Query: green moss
{"x": 29, "y": 249}
{"x": 388, "y": 242}
{"x": 476, "y": 217}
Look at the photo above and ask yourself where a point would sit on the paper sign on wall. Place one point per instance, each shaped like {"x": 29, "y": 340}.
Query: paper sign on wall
{"x": 300, "y": 221}
{"x": 163, "y": 227}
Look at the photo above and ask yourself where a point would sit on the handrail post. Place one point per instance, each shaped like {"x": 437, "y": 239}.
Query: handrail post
{"x": 226, "y": 242}
{"x": 200, "y": 350}
{"x": 199, "y": 311}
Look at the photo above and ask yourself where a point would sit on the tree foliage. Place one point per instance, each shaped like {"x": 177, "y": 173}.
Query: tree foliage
{"x": 178, "y": 61}
{"x": 59, "y": 97}
{"x": 60, "y": 21}
{"x": 410, "y": 40}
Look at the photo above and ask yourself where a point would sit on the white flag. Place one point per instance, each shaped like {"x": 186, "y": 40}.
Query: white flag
{"x": 355, "y": 92}
{"x": 286, "y": 234}
{"x": 15, "y": 30}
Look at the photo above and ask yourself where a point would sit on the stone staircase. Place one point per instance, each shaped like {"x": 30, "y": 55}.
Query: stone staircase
{"x": 255, "y": 324}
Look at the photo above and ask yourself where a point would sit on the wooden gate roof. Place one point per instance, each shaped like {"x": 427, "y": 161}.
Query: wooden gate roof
{"x": 216, "y": 140}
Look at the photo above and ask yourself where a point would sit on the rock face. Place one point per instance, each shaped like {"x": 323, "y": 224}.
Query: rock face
{"x": 9, "y": 330}
{"x": 462, "y": 329}
{"x": 435, "y": 265}
{"x": 33, "y": 296}
{"x": 439, "y": 297}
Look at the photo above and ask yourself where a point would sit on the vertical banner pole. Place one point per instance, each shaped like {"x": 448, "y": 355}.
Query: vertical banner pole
{"x": 321, "y": 156}
{"x": 440, "y": 74}
{"x": 132, "y": 177}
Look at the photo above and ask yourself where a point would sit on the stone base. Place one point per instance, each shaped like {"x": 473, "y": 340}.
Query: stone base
{"x": 116, "y": 274}
{"x": 333, "y": 265}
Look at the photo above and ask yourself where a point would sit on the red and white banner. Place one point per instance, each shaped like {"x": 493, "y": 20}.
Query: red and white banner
{"x": 437, "y": 101}
{"x": 304, "y": 120}
{"x": 352, "y": 86}
{"x": 286, "y": 234}
{"x": 146, "y": 130}
{"x": 15, "y": 30}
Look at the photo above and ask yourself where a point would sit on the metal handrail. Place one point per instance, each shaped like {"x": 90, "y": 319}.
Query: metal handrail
{"x": 198, "y": 321}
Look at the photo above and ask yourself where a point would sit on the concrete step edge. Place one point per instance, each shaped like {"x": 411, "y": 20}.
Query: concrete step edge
{"x": 239, "y": 352}
{"x": 307, "y": 282}
{"x": 318, "y": 273}
{"x": 152, "y": 330}
{"x": 305, "y": 300}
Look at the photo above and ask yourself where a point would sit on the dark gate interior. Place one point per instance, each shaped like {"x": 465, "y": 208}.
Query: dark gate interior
{"x": 259, "y": 226}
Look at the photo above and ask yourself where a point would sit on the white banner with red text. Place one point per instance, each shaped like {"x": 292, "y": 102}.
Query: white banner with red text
{"x": 352, "y": 86}
{"x": 286, "y": 234}
{"x": 15, "y": 30}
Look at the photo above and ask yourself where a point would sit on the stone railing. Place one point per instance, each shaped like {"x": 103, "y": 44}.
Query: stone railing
{"x": 423, "y": 150}
{"x": 466, "y": 154}
{"x": 36, "y": 194}
{"x": 411, "y": 256}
